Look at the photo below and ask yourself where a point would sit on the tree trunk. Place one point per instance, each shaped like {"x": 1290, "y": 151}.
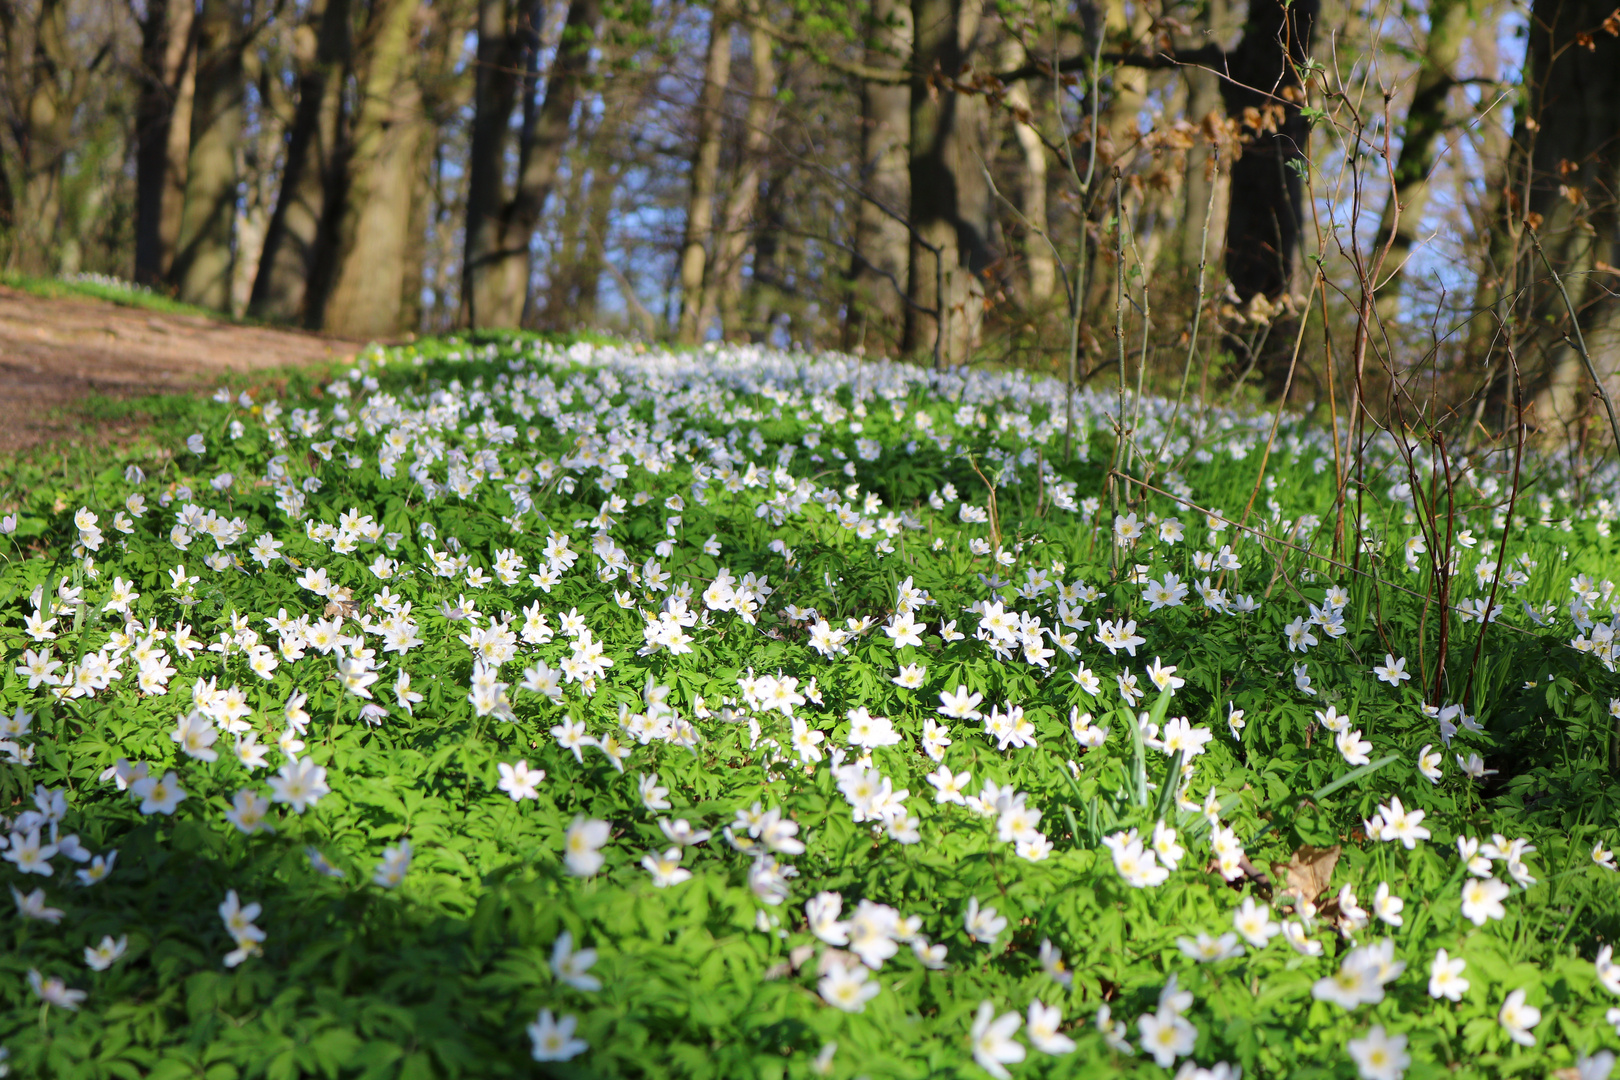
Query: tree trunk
{"x": 413, "y": 261}
{"x": 1426, "y": 118}
{"x": 445, "y": 95}
{"x": 722, "y": 288}
{"x": 593, "y": 253}
{"x": 261, "y": 163}
{"x": 508, "y": 36}
{"x": 705, "y": 173}
{"x": 545, "y": 139}
{"x": 770, "y": 277}
{"x": 499, "y": 230}
{"x": 1039, "y": 268}
{"x": 287, "y": 262}
{"x": 1267, "y": 208}
{"x": 1564, "y": 171}
{"x": 1119, "y": 136}
{"x": 375, "y": 209}
{"x": 8, "y": 199}
{"x": 875, "y": 308}
{"x": 162, "y": 135}
{"x": 1203, "y": 109}
{"x": 45, "y": 86}
{"x": 554, "y": 308}
{"x": 951, "y": 241}
{"x": 204, "y": 255}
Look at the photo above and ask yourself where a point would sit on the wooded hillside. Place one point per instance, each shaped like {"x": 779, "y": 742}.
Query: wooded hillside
{"x": 1328, "y": 199}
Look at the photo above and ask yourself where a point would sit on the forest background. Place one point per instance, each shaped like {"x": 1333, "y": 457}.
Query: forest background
{"x": 1411, "y": 206}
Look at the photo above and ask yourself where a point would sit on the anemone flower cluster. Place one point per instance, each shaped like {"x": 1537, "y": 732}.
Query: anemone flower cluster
{"x": 755, "y": 666}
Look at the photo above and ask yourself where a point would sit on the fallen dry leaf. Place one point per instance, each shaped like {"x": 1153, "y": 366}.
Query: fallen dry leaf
{"x": 1309, "y": 871}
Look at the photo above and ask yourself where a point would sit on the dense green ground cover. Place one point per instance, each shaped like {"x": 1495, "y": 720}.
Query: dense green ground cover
{"x": 505, "y": 709}
{"x": 101, "y": 287}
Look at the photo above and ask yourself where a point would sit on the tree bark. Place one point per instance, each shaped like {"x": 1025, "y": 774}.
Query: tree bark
{"x": 1203, "y": 109}
{"x": 705, "y": 173}
{"x": 1564, "y": 172}
{"x": 260, "y": 161}
{"x": 951, "y": 241}
{"x": 288, "y": 260}
{"x": 593, "y": 252}
{"x": 875, "y": 308}
{"x": 499, "y": 229}
{"x": 1040, "y": 271}
{"x": 8, "y": 198}
{"x": 413, "y": 261}
{"x": 722, "y": 287}
{"x": 1266, "y": 205}
{"x": 44, "y": 87}
{"x": 205, "y": 252}
{"x": 546, "y": 138}
{"x": 375, "y": 208}
{"x": 1119, "y": 136}
{"x": 1263, "y": 92}
{"x": 553, "y": 308}
{"x": 446, "y": 92}
{"x": 507, "y": 31}
{"x": 1426, "y": 118}
{"x": 162, "y": 134}
{"x": 769, "y": 282}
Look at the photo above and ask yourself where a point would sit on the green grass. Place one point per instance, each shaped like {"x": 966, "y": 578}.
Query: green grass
{"x": 105, "y": 431}
{"x": 130, "y": 297}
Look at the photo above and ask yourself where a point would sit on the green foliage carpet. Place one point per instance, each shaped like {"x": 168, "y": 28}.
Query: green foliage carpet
{"x": 503, "y": 707}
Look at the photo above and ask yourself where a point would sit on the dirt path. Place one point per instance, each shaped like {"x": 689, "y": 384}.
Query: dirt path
{"x": 55, "y": 352}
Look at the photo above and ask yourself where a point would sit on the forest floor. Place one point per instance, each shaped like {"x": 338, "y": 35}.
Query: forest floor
{"x": 59, "y": 355}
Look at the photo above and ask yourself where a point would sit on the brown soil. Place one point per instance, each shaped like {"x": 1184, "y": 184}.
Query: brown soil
{"x": 56, "y": 352}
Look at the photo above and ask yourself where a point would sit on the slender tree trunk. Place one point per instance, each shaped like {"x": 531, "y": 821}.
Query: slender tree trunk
{"x": 413, "y": 264}
{"x": 446, "y": 93}
{"x": 1266, "y": 208}
{"x": 162, "y": 135}
{"x": 8, "y": 198}
{"x": 1119, "y": 135}
{"x": 555, "y": 309}
{"x": 45, "y": 89}
{"x": 705, "y": 172}
{"x": 506, "y": 31}
{"x": 1203, "y": 109}
{"x": 287, "y": 262}
{"x": 261, "y": 162}
{"x": 379, "y": 172}
{"x": 1564, "y": 172}
{"x": 1426, "y": 119}
{"x": 205, "y": 252}
{"x": 605, "y": 180}
{"x": 951, "y": 242}
{"x": 769, "y": 278}
{"x": 1039, "y": 267}
{"x": 874, "y": 311}
{"x": 498, "y": 259}
{"x": 172, "y": 206}
{"x": 546, "y": 139}
{"x": 722, "y": 289}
